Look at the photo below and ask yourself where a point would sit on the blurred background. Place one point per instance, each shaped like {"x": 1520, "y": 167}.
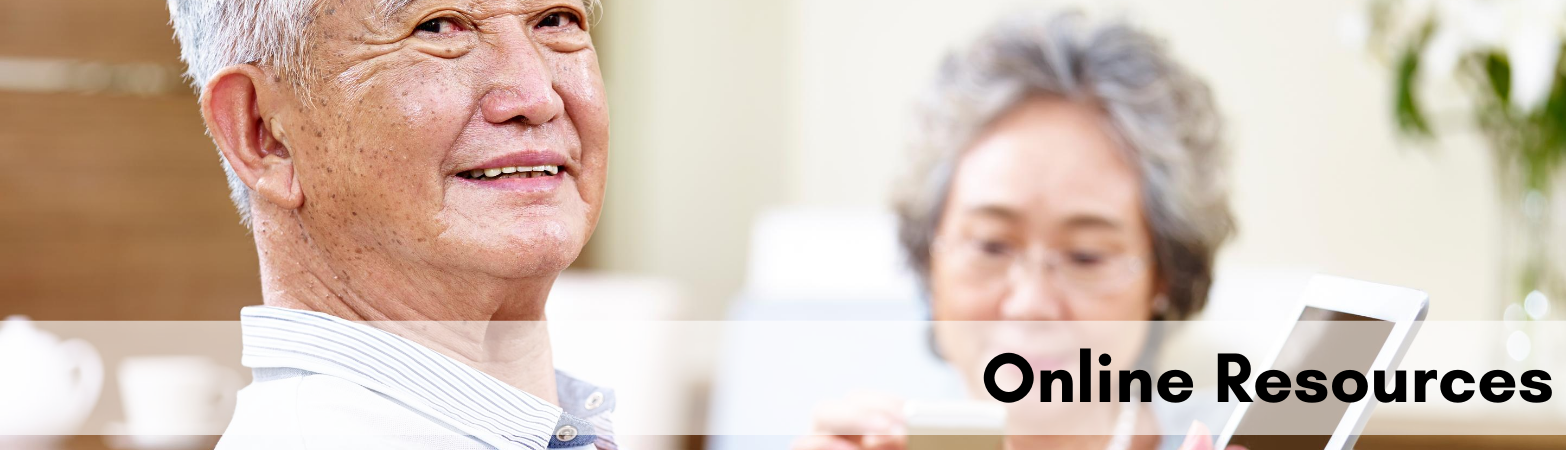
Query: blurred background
{"x": 755, "y": 144}
{"x": 724, "y": 111}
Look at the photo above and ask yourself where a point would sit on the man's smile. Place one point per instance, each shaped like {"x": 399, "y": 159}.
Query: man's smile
{"x": 510, "y": 172}
{"x": 524, "y": 171}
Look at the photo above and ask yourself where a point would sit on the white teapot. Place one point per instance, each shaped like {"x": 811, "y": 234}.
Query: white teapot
{"x": 47, "y": 387}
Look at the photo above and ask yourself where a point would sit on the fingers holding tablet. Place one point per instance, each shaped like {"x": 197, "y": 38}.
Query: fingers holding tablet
{"x": 867, "y": 421}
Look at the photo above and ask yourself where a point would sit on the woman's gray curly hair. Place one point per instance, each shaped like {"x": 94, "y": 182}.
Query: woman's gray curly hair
{"x": 1162, "y": 114}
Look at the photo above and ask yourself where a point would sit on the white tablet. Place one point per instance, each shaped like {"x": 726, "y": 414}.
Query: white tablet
{"x": 1343, "y": 325}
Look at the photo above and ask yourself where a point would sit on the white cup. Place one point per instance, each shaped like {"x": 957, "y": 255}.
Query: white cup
{"x": 176, "y": 395}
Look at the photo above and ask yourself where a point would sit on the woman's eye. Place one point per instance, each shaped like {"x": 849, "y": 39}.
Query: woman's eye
{"x": 1084, "y": 259}
{"x": 439, "y": 26}
{"x": 558, "y": 19}
{"x": 991, "y": 247}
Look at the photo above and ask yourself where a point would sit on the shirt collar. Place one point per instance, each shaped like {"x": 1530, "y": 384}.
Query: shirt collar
{"x": 434, "y": 384}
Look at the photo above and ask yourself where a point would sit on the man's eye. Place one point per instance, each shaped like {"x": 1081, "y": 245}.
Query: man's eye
{"x": 439, "y": 26}
{"x": 558, "y": 19}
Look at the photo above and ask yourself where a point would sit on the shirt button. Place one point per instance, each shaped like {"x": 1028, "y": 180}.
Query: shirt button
{"x": 565, "y": 433}
{"x": 595, "y": 400}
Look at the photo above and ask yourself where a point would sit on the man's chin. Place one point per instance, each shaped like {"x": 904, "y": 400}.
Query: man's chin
{"x": 526, "y": 265}
{"x": 515, "y": 245}
{"x": 531, "y": 254}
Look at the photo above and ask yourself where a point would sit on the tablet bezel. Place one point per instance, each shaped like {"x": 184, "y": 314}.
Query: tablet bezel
{"x": 1404, "y": 307}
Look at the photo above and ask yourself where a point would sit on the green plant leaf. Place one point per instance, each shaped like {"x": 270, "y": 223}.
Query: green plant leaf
{"x": 1410, "y": 119}
{"x": 1548, "y": 130}
{"x": 1499, "y": 74}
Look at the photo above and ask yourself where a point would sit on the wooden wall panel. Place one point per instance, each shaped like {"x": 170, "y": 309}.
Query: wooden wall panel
{"x": 100, "y": 30}
{"x": 114, "y": 208}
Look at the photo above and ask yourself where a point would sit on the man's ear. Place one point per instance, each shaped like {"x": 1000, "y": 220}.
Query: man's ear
{"x": 250, "y": 141}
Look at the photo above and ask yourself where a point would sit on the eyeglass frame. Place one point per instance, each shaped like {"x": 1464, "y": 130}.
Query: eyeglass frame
{"x": 1133, "y": 264}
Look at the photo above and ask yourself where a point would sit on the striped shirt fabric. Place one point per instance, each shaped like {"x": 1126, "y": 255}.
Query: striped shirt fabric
{"x": 312, "y": 369}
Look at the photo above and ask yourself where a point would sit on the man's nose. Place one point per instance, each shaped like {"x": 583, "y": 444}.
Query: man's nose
{"x": 522, "y": 85}
{"x": 1033, "y": 296}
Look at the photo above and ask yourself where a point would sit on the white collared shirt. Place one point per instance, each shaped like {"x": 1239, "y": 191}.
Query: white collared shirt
{"x": 324, "y": 382}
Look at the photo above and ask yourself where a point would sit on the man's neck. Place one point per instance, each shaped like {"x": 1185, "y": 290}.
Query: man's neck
{"x": 495, "y": 326}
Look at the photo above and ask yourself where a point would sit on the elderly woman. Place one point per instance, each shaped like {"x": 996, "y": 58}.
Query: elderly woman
{"x": 416, "y": 174}
{"x": 1067, "y": 171}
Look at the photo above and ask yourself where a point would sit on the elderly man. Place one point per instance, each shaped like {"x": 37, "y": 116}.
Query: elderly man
{"x": 416, "y": 173}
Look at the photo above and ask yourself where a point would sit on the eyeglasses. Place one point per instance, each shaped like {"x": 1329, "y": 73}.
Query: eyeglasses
{"x": 990, "y": 264}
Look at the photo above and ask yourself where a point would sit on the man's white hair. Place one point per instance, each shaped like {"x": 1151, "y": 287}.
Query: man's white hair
{"x": 214, "y": 34}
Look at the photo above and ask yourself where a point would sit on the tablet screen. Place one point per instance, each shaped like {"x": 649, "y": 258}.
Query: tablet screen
{"x": 1324, "y": 340}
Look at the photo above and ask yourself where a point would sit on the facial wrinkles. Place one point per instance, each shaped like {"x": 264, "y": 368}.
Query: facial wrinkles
{"x": 372, "y": 41}
{"x": 480, "y": 134}
{"x": 366, "y": 61}
{"x": 385, "y": 34}
{"x": 388, "y": 76}
{"x": 559, "y": 134}
{"x": 578, "y": 84}
{"x": 374, "y": 156}
{"x": 572, "y": 78}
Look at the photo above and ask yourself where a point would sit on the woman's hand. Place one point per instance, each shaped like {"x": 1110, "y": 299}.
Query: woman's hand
{"x": 1200, "y": 438}
{"x": 875, "y": 422}
{"x": 861, "y": 421}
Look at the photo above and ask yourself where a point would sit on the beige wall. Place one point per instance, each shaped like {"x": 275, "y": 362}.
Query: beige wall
{"x": 699, "y": 134}
{"x": 726, "y": 107}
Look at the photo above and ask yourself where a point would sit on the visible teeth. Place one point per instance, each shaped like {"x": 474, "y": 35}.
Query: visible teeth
{"x": 524, "y": 171}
